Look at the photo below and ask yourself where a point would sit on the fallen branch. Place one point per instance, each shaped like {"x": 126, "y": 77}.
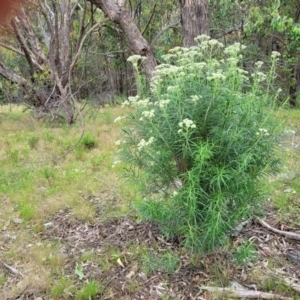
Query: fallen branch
{"x": 287, "y": 234}
{"x": 245, "y": 293}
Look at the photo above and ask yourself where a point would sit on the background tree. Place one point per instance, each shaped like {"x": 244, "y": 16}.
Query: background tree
{"x": 118, "y": 13}
{"x": 263, "y": 27}
{"x": 42, "y": 34}
{"x": 194, "y": 20}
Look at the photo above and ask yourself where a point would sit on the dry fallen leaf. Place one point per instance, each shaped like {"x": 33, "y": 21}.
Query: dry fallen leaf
{"x": 120, "y": 262}
{"x": 130, "y": 274}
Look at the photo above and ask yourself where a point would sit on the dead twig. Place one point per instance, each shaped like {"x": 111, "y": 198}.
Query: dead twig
{"x": 12, "y": 269}
{"x": 244, "y": 293}
{"x": 287, "y": 234}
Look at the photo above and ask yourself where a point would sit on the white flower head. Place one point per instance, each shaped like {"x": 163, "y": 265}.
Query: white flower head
{"x": 234, "y": 49}
{"x": 125, "y": 103}
{"x": 259, "y": 64}
{"x": 186, "y": 124}
{"x": 202, "y": 38}
{"x": 143, "y": 103}
{"x": 143, "y": 143}
{"x": 260, "y": 76}
{"x": 195, "y": 98}
{"x": 176, "y": 50}
{"x": 148, "y": 113}
{"x": 216, "y": 75}
{"x": 135, "y": 58}
{"x": 262, "y": 132}
{"x": 216, "y": 43}
{"x": 162, "y": 103}
{"x": 275, "y": 54}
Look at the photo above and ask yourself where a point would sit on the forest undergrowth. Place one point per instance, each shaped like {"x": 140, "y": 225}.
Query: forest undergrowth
{"x": 68, "y": 229}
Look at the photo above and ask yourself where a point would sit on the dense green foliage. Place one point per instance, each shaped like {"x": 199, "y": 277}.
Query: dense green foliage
{"x": 201, "y": 142}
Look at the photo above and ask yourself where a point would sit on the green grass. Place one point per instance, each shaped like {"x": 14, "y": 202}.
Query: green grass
{"x": 88, "y": 291}
{"x": 167, "y": 262}
{"x": 245, "y": 253}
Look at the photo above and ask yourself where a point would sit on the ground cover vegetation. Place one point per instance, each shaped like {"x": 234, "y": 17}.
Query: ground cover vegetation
{"x": 68, "y": 230}
{"x": 212, "y": 213}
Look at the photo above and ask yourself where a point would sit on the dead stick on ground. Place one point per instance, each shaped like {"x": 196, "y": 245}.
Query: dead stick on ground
{"x": 12, "y": 269}
{"x": 287, "y": 234}
{"x": 244, "y": 293}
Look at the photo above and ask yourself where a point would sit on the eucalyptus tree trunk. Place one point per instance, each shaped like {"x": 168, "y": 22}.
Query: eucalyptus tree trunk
{"x": 118, "y": 13}
{"x": 194, "y": 20}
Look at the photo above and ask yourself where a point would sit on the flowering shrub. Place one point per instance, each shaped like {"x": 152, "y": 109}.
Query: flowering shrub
{"x": 200, "y": 143}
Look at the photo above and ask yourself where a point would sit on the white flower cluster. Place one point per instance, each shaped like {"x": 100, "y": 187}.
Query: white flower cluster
{"x": 216, "y": 75}
{"x": 200, "y": 65}
{"x": 232, "y": 60}
{"x": 241, "y": 71}
{"x": 162, "y": 103}
{"x": 234, "y": 49}
{"x": 143, "y": 143}
{"x": 205, "y": 42}
{"x": 275, "y": 54}
{"x": 176, "y": 50}
{"x": 134, "y": 59}
{"x": 260, "y": 76}
{"x": 202, "y": 38}
{"x": 259, "y": 64}
{"x": 168, "y": 57}
{"x": 166, "y": 69}
{"x": 131, "y": 101}
{"x": 143, "y": 103}
{"x": 136, "y": 102}
{"x": 186, "y": 124}
{"x": 147, "y": 114}
{"x": 195, "y": 98}
{"x": 262, "y": 131}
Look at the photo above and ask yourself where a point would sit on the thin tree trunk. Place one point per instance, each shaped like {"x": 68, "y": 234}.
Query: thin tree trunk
{"x": 194, "y": 20}
{"x": 137, "y": 43}
{"x": 295, "y": 79}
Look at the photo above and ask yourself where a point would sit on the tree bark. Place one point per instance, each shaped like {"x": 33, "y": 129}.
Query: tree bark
{"x": 194, "y": 20}
{"x": 139, "y": 46}
{"x": 49, "y": 59}
{"x": 295, "y": 83}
